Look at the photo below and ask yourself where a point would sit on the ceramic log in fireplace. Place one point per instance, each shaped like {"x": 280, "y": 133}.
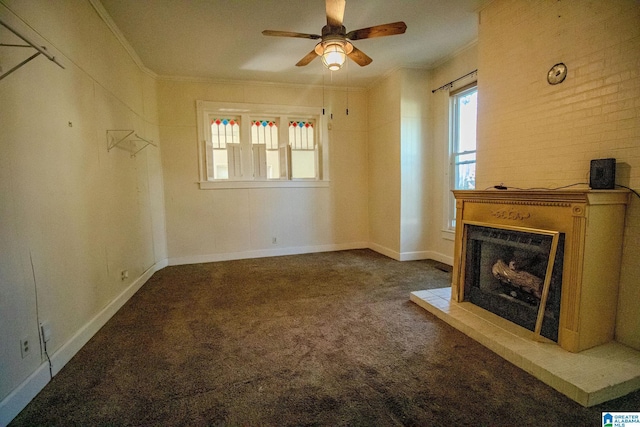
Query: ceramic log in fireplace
{"x": 548, "y": 261}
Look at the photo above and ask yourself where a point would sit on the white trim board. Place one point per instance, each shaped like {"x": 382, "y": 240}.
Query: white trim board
{"x": 299, "y": 250}
{"x": 263, "y": 253}
{"x": 411, "y": 256}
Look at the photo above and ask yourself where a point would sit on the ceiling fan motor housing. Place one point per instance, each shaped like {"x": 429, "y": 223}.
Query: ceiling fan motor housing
{"x": 328, "y": 31}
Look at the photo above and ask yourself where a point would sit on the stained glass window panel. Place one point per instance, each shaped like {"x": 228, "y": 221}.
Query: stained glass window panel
{"x": 265, "y": 132}
{"x": 301, "y": 135}
{"x": 224, "y": 131}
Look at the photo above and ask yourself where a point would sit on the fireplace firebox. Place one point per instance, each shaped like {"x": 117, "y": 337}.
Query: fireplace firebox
{"x": 506, "y": 271}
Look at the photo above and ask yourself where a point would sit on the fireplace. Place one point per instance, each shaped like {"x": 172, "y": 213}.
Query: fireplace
{"x": 547, "y": 261}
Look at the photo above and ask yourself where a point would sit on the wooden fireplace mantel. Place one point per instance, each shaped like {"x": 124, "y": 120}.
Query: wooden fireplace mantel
{"x": 593, "y": 224}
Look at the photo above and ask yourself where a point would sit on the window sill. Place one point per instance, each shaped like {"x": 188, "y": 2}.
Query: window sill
{"x": 220, "y": 185}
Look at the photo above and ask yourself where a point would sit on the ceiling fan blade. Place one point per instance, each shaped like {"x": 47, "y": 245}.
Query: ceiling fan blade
{"x": 359, "y": 57}
{"x": 335, "y": 12}
{"x": 378, "y": 31}
{"x": 290, "y": 34}
{"x": 308, "y": 58}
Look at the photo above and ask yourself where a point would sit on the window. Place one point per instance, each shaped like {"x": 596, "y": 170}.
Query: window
{"x": 266, "y": 149}
{"x": 254, "y": 145}
{"x": 225, "y": 143}
{"x": 302, "y": 143}
{"x": 462, "y": 151}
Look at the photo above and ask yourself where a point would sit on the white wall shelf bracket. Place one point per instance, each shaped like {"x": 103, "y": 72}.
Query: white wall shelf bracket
{"x": 41, "y": 50}
{"x": 127, "y": 140}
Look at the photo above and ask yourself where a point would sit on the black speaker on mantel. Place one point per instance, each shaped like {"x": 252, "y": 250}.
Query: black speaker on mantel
{"x": 603, "y": 174}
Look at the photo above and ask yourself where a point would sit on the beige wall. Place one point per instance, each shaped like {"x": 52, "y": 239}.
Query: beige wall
{"x": 532, "y": 134}
{"x": 415, "y": 211}
{"x": 72, "y": 215}
{"x": 403, "y": 209}
{"x": 209, "y": 225}
{"x": 384, "y": 126}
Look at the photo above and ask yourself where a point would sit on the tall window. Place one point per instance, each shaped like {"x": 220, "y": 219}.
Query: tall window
{"x": 242, "y": 142}
{"x": 462, "y": 152}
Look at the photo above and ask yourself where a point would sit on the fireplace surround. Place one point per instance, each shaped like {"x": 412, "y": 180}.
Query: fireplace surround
{"x": 576, "y": 286}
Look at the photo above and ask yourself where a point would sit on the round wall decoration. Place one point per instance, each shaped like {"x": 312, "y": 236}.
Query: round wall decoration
{"x": 557, "y": 74}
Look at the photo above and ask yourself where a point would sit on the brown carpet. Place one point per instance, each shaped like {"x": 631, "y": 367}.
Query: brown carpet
{"x": 318, "y": 339}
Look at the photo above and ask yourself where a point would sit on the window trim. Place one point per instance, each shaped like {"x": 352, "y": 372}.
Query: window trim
{"x": 449, "y": 181}
{"x": 272, "y": 183}
{"x": 205, "y": 108}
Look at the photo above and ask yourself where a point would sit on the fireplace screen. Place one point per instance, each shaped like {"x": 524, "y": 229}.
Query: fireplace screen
{"x": 516, "y": 273}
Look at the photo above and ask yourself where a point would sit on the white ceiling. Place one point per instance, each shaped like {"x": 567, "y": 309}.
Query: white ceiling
{"x": 222, "y": 39}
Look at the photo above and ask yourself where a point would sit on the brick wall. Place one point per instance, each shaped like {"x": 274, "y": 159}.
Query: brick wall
{"x": 532, "y": 134}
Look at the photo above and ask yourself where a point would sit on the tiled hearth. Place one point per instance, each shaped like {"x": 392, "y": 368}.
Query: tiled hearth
{"x": 589, "y": 377}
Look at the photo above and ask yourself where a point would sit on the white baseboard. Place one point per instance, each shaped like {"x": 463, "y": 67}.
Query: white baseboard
{"x": 437, "y": 256}
{"x": 20, "y": 397}
{"x": 64, "y": 354}
{"x": 411, "y": 256}
{"x": 262, "y": 253}
{"x": 385, "y": 251}
{"x": 414, "y": 256}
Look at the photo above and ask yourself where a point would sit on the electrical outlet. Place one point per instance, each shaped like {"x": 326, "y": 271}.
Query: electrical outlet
{"x": 274, "y": 240}
{"x": 124, "y": 274}
{"x": 25, "y": 346}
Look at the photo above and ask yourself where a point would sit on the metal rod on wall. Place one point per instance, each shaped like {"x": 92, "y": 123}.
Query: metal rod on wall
{"x": 19, "y": 65}
{"x": 450, "y": 84}
{"x": 41, "y": 49}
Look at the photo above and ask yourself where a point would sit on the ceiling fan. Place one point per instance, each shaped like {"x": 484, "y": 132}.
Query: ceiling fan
{"x": 335, "y": 45}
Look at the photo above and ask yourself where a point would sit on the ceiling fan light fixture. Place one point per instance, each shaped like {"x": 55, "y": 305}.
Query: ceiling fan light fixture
{"x": 334, "y": 46}
{"x": 333, "y": 55}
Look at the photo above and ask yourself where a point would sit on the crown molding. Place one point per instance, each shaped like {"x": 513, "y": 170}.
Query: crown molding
{"x": 320, "y": 85}
{"x": 104, "y": 15}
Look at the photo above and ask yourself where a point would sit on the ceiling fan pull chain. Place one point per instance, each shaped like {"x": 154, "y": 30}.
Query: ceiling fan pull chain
{"x": 323, "y": 102}
{"x": 347, "y": 88}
